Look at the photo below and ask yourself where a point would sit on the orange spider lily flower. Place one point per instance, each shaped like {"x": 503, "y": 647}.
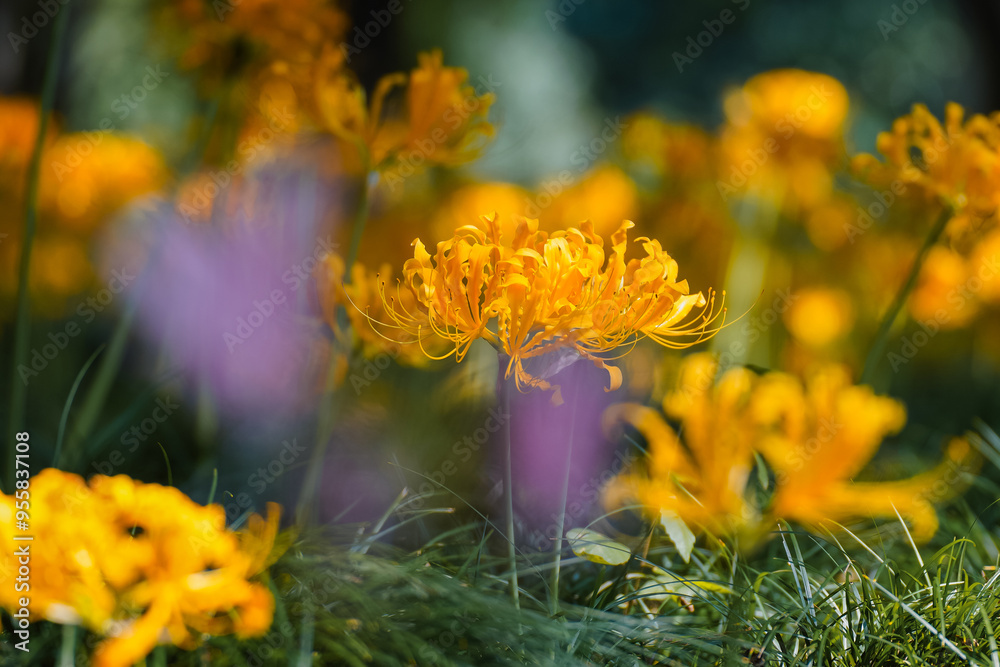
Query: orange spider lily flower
{"x": 362, "y": 301}
{"x": 702, "y": 481}
{"x": 439, "y": 120}
{"x": 537, "y": 292}
{"x": 818, "y": 435}
{"x": 783, "y": 138}
{"x": 954, "y": 164}
{"x": 139, "y": 563}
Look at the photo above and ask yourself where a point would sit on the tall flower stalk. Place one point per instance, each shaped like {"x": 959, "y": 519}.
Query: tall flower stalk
{"x": 882, "y": 336}
{"x": 952, "y": 167}
{"x": 22, "y": 330}
{"x": 508, "y": 488}
{"x": 534, "y": 293}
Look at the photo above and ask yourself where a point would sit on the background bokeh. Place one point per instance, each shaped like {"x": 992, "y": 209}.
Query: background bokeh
{"x": 561, "y": 71}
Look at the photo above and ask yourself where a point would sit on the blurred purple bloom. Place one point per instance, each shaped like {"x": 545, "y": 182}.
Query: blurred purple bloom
{"x": 540, "y": 444}
{"x": 229, "y": 301}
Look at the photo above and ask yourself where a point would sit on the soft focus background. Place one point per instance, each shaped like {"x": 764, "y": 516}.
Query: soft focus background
{"x": 235, "y": 206}
{"x": 563, "y": 73}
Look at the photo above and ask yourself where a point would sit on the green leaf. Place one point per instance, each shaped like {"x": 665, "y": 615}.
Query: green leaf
{"x": 761, "y": 471}
{"x": 663, "y": 585}
{"x": 596, "y": 548}
{"x": 678, "y": 532}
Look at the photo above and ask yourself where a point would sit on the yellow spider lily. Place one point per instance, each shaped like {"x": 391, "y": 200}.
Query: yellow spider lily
{"x": 138, "y": 563}
{"x": 954, "y": 164}
{"x": 704, "y": 479}
{"x": 440, "y": 119}
{"x": 816, "y": 436}
{"x": 537, "y": 292}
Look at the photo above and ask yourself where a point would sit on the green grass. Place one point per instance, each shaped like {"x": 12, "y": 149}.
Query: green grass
{"x": 344, "y": 597}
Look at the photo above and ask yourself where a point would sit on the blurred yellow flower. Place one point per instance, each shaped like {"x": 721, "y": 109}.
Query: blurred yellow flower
{"x": 791, "y": 102}
{"x": 675, "y": 168}
{"x": 941, "y": 294}
{"x": 431, "y": 116}
{"x": 955, "y": 288}
{"x": 138, "y": 563}
{"x": 828, "y": 223}
{"x": 783, "y": 137}
{"x": 681, "y": 153}
{"x": 956, "y": 164}
{"x": 88, "y": 176}
{"x": 84, "y": 178}
{"x": 223, "y": 40}
{"x": 703, "y": 480}
{"x": 470, "y": 202}
{"x": 259, "y": 60}
{"x": 605, "y": 196}
{"x": 815, "y": 435}
{"x": 985, "y": 262}
{"x": 18, "y": 130}
{"x": 59, "y": 266}
{"x": 546, "y": 291}
{"x": 819, "y": 316}
{"x": 818, "y": 435}
{"x": 362, "y": 301}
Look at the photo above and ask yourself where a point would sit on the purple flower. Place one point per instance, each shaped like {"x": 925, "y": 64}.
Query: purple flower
{"x": 229, "y": 302}
{"x": 546, "y": 438}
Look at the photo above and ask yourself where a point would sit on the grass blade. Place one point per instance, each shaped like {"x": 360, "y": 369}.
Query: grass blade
{"x": 22, "y": 325}
{"x": 69, "y": 404}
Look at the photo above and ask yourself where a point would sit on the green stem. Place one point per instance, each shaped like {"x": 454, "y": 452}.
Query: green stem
{"x": 206, "y": 417}
{"x": 882, "y": 337}
{"x": 67, "y": 652}
{"x": 22, "y": 329}
{"x": 324, "y": 431}
{"x": 748, "y": 274}
{"x": 561, "y": 523}
{"x": 360, "y": 218}
{"x": 508, "y": 489}
{"x": 98, "y": 392}
{"x": 69, "y": 404}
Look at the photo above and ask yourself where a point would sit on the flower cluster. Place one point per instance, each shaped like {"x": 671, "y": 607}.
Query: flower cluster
{"x": 949, "y": 168}
{"x": 542, "y": 292}
{"x": 225, "y": 40}
{"x": 783, "y": 137}
{"x": 815, "y": 435}
{"x": 955, "y": 165}
{"x": 704, "y": 483}
{"x": 84, "y": 178}
{"x": 361, "y": 300}
{"x": 431, "y": 116}
{"x": 139, "y": 563}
